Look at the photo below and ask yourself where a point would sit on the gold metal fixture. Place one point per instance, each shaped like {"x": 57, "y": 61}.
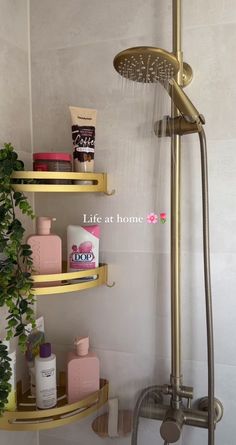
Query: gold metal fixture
{"x": 70, "y": 281}
{"x": 176, "y": 371}
{"x": 187, "y": 74}
{"x": 149, "y": 65}
{"x": 178, "y": 125}
{"x": 191, "y": 417}
{"x": 99, "y": 182}
{"x": 146, "y": 64}
{"x": 203, "y": 405}
{"x": 172, "y": 425}
{"x": 182, "y": 102}
{"x": 28, "y": 418}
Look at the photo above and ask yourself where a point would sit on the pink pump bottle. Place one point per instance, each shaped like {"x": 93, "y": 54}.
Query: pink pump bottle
{"x": 46, "y": 248}
{"x": 82, "y": 371}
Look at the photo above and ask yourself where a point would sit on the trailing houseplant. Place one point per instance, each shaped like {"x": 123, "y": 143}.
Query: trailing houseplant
{"x": 15, "y": 264}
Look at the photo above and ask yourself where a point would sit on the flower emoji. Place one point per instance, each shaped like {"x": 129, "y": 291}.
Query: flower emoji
{"x": 152, "y": 218}
{"x": 163, "y": 217}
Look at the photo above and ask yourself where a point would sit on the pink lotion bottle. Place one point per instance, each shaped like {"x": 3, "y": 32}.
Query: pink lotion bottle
{"x": 46, "y": 248}
{"x": 83, "y": 371}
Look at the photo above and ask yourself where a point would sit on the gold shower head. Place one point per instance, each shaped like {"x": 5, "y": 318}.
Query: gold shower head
{"x": 146, "y": 64}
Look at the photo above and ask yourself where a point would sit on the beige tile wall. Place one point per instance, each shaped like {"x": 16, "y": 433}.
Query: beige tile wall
{"x": 73, "y": 44}
{"x": 15, "y": 125}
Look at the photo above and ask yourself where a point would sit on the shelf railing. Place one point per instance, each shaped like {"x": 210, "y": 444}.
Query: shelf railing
{"x": 41, "y": 181}
{"x": 71, "y": 281}
{"x": 29, "y": 418}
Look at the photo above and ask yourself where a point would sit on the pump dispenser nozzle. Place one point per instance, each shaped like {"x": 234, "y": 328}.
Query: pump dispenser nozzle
{"x": 81, "y": 345}
{"x": 43, "y": 225}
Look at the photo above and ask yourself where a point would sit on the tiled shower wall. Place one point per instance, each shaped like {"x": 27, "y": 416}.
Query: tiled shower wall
{"x": 15, "y": 121}
{"x": 73, "y": 43}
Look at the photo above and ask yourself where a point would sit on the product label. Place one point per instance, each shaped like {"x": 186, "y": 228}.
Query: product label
{"x": 40, "y": 167}
{"x": 84, "y": 142}
{"x": 48, "y": 372}
{"x": 46, "y": 388}
{"x": 48, "y": 398}
{"x": 82, "y": 256}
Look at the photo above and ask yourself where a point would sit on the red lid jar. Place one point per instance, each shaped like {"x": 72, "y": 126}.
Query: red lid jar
{"x": 54, "y": 162}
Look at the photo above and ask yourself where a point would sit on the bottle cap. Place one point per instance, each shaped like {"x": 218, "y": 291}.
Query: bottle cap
{"x": 45, "y": 350}
{"x": 43, "y": 225}
{"x": 81, "y": 345}
{"x": 52, "y": 157}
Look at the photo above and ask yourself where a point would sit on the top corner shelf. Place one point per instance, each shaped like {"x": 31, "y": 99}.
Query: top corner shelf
{"x": 41, "y": 182}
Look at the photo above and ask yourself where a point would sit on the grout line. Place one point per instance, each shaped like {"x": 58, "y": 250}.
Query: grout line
{"x": 30, "y": 78}
{"x": 31, "y": 118}
{"x": 30, "y": 94}
{"x": 142, "y": 353}
{"x": 30, "y": 91}
{"x": 207, "y": 25}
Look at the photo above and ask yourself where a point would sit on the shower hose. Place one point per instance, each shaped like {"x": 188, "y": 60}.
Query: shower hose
{"x": 209, "y": 316}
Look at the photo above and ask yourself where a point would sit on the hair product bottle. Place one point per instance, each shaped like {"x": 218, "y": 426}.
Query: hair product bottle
{"x": 82, "y": 371}
{"x": 82, "y": 247}
{"x": 45, "y": 377}
{"x": 46, "y": 248}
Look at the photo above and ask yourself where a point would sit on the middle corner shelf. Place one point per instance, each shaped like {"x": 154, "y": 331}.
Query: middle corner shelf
{"x": 70, "y": 281}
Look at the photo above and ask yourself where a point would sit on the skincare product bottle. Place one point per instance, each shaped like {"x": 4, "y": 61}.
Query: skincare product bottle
{"x": 46, "y": 248}
{"x": 11, "y": 402}
{"x": 82, "y": 371}
{"x": 45, "y": 378}
{"x": 82, "y": 247}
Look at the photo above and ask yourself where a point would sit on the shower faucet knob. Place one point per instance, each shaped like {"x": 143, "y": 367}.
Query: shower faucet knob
{"x": 172, "y": 425}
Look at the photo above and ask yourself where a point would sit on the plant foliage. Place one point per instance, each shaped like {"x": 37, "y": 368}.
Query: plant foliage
{"x": 15, "y": 263}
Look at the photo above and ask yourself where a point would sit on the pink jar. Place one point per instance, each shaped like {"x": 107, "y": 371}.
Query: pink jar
{"x": 53, "y": 162}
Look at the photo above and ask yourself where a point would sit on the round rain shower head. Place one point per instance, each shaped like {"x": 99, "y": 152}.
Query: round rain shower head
{"x": 146, "y": 64}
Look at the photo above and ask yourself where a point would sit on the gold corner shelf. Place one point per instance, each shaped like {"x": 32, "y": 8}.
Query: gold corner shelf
{"x": 28, "y": 418}
{"x": 68, "y": 281}
{"x": 98, "y": 182}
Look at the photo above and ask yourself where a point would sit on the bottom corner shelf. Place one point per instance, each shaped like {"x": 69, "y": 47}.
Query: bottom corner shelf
{"x": 29, "y": 418}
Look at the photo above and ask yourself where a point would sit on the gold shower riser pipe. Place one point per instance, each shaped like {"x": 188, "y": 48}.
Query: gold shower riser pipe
{"x": 176, "y": 24}
{"x": 176, "y": 374}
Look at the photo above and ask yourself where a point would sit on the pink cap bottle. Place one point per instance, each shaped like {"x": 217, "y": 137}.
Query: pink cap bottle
{"x": 46, "y": 248}
{"x": 83, "y": 371}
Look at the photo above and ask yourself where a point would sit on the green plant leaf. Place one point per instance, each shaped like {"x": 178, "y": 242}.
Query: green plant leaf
{"x": 15, "y": 282}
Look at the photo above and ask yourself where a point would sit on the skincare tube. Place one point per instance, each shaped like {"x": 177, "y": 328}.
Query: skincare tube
{"x": 83, "y": 136}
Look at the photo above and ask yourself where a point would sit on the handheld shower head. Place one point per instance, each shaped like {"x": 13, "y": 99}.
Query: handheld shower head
{"x": 147, "y": 64}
